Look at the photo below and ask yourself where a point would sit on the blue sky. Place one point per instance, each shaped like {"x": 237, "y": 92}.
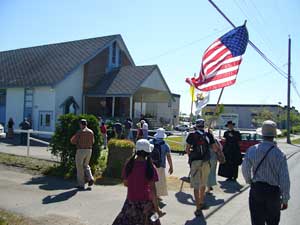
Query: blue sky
{"x": 173, "y": 34}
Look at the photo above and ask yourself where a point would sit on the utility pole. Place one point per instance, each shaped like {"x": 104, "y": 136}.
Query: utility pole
{"x": 288, "y": 122}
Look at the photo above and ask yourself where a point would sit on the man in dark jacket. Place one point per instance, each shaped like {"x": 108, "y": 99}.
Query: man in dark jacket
{"x": 25, "y": 125}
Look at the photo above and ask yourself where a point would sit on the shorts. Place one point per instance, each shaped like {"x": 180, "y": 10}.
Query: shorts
{"x": 199, "y": 173}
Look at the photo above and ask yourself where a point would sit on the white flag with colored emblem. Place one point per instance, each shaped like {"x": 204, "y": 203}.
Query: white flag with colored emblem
{"x": 202, "y": 98}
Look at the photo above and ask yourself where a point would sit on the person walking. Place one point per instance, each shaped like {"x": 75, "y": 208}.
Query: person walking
{"x": 24, "y": 125}
{"x": 118, "y": 129}
{"x": 144, "y": 125}
{"x": 212, "y": 180}
{"x": 139, "y": 132}
{"x": 265, "y": 168}
{"x": 140, "y": 175}
{"x": 127, "y": 131}
{"x": 200, "y": 142}
{"x": 103, "y": 130}
{"x": 84, "y": 140}
{"x": 232, "y": 153}
{"x": 163, "y": 150}
{"x": 10, "y": 128}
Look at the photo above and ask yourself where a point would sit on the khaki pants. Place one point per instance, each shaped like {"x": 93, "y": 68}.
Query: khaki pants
{"x": 82, "y": 158}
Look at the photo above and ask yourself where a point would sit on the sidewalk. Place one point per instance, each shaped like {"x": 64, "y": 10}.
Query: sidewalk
{"x": 47, "y": 196}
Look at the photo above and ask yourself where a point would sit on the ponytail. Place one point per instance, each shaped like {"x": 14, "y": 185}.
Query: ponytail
{"x": 149, "y": 168}
{"x": 129, "y": 165}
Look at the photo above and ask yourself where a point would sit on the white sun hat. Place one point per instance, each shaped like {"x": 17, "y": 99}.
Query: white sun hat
{"x": 160, "y": 133}
{"x": 144, "y": 145}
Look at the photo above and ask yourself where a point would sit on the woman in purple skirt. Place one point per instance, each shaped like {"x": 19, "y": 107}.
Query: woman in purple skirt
{"x": 139, "y": 174}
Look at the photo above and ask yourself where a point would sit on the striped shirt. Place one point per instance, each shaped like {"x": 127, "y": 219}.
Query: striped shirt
{"x": 273, "y": 170}
{"x": 84, "y": 139}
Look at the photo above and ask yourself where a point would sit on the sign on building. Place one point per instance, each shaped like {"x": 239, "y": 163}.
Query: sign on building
{"x": 223, "y": 118}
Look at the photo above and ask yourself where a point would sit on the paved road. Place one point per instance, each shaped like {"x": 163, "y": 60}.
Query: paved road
{"x": 38, "y": 197}
{"x": 237, "y": 211}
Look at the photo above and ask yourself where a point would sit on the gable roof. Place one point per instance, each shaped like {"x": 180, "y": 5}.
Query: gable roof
{"x": 125, "y": 81}
{"x": 48, "y": 64}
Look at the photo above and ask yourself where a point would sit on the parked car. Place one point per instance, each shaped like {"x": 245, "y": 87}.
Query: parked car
{"x": 248, "y": 138}
{"x": 2, "y": 133}
{"x": 182, "y": 127}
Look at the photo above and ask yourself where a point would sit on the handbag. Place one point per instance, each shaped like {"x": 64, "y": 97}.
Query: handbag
{"x": 220, "y": 157}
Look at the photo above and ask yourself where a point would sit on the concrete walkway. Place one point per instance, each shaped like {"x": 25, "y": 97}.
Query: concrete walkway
{"x": 38, "y": 196}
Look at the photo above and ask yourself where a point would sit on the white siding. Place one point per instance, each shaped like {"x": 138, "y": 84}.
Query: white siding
{"x": 71, "y": 86}
{"x": 155, "y": 81}
{"x": 15, "y": 105}
{"x": 43, "y": 101}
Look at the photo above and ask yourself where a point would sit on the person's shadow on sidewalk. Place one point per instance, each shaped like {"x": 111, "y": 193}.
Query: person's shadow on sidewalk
{"x": 199, "y": 220}
{"x": 230, "y": 187}
{"x": 211, "y": 200}
{"x": 185, "y": 198}
{"x": 50, "y": 183}
{"x": 60, "y": 197}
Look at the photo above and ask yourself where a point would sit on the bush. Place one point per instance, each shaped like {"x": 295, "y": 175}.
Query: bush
{"x": 119, "y": 151}
{"x": 61, "y": 146}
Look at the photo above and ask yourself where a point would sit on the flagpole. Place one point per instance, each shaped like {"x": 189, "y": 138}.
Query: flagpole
{"x": 216, "y": 108}
{"x": 192, "y": 103}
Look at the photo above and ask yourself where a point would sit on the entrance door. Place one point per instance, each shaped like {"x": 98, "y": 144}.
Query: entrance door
{"x": 45, "y": 120}
{"x": 2, "y": 106}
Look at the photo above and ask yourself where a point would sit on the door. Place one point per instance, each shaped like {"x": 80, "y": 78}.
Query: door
{"x": 2, "y": 106}
{"x": 45, "y": 120}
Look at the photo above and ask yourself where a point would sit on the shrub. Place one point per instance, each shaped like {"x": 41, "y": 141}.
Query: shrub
{"x": 60, "y": 144}
{"x": 119, "y": 151}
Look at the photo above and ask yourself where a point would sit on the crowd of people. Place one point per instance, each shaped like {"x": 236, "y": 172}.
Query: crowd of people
{"x": 264, "y": 168}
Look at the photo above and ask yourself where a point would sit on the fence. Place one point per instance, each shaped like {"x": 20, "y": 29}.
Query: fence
{"x": 34, "y": 139}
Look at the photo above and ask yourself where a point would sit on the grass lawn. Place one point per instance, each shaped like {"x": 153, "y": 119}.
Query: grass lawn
{"x": 175, "y": 146}
{"x": 30, "y": 164}
{"x": 296, "y": 141}
{"x": 9, "y": 218}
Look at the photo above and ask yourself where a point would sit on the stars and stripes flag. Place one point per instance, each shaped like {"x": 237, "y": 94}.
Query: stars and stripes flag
{"x": 221, "y": 60}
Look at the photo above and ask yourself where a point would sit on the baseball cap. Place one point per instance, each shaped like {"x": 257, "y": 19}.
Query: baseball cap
{"x": 200, "y": 122}
{"x": 143, "y": 145}
{"x": 83, "y": 121}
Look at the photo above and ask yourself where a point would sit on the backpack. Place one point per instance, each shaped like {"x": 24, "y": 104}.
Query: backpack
{"x": 156, "y": 154}
{"x": 200, "y": 147}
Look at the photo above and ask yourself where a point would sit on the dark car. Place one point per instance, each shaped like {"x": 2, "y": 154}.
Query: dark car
{"x": 248, "y": 138}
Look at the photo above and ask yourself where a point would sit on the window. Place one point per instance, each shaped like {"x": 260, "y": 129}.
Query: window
{"x": 28, "y": 103}
{"x": 114, "y": 53}
{"x": 45, "y": 118}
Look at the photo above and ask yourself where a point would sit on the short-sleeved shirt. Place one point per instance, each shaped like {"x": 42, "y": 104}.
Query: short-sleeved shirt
{"x": 139, "y": 188}
{"x": 84, "y": 139}
{"x": 192, "y": 141}
{"x": 165, "y": 149}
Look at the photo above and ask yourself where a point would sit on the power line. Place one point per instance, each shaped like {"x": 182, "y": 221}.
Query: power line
{"x": 181, "y": 47}
{"x": 282, "y": 73}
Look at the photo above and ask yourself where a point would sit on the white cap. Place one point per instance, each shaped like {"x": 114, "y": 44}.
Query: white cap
{"x": 160, "y": 133}
{"x": 143, "y": 145}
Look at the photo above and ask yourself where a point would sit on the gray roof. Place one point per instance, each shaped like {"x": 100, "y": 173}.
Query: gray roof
{"x": 124, "y": 81}
{"x": 47, "y": 64}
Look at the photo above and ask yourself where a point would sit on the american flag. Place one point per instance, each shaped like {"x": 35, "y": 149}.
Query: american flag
{"x": 221, "y": 60}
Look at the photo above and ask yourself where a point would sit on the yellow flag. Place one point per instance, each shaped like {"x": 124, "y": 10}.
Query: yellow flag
{"x": 192, "y": 92}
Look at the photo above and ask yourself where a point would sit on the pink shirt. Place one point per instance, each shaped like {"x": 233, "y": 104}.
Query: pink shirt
{"x": 138, "y": 185}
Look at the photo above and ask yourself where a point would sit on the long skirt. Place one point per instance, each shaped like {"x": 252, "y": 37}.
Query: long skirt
{"x": 132, "y": 213}
{"x": 161, "y": 184}
{"x": 212, "y": 180}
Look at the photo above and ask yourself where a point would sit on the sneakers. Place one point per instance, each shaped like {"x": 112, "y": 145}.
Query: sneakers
{"x": 91, "y": 182}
